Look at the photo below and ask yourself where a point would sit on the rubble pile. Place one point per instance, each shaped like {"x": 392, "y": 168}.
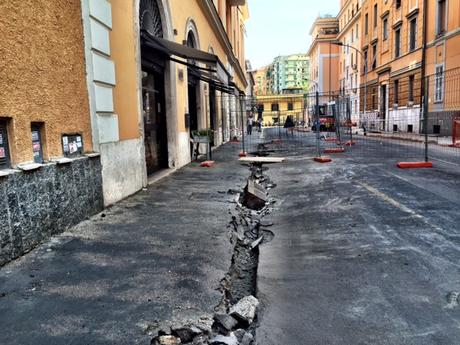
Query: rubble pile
{"x": 233, "y": 322}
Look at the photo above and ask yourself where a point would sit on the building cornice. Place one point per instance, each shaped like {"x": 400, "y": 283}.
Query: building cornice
{"x": 213, "y": 16}
{"x": 349, "y": 24}
{"x": 443, "y": 38}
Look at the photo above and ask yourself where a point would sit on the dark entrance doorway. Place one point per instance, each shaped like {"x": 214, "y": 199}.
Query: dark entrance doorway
{"x": 212, "y": 112}
{"x": 155, "y": 137}
{"x": 153, "y": 92}
{"x": 193, "y": 84}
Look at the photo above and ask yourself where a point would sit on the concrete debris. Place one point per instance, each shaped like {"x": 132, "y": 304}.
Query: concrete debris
{"x": 186, "y": 333}
{"x": 166, "y": 340}
{"x": 225, "y": 322}
{"x": 205, "y": 324}
{"x": 257, "y": 242}
{"x": 224, "y": 340}
{"x": 239, "y": 334}
{"x": 245, "y": 309}
{"x": 200, "y": 340}
{"x": 248, "y": 339}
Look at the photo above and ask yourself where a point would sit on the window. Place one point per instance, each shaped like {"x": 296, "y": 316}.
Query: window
{"x": 290, "y": 106}
{"x": 374, "y": 56}
{"x": 275, "y": 106}
{"x": 72, "y": 145}
{"x": 375, "y": 16}
{"x": 398, "y": 4}
{"x": 410, "y": 128}
{"x": 365, "y": 61}
{"x": 37, "y": 148}
{"x": 441, "y": 25}
{"x": 396, "y": 92}
{"x": 356, "y": 32}
{"x": 366, "y": 24}
{"x": 439, "y": 84}
{"x": 398, "y": 42}
{"x": 352, "y": 35}
{"x": 385, "y": 29}
{"x": 4, "y": 152}
{"x": 413, "y": 34}
{"x": 411, "y": 89}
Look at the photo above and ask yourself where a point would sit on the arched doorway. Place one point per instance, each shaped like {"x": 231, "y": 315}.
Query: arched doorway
{"x": 153, "y": 92}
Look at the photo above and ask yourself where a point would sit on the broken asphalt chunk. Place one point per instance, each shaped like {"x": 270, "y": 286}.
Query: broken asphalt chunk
{"x": 226, "y": 322}
{"x": 166, "y": 340}
{"x": 224, "y": 340}
{"x": 245, "y": 310}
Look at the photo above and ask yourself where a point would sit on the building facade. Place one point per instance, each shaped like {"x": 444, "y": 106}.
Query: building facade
{"x": 263, "y": 81}
{"x": 274, "y": 109}
{"x": 157, "y": 72}
{"x": 324, "y": 57}
{"x": 50, "y": 178}
{"x": 350, "y": 60}
{"x": 442, "y": 68}
{"x": 290, "y": 72}
{"x": 392, "y": 43}
{"x": 98, "y": 97}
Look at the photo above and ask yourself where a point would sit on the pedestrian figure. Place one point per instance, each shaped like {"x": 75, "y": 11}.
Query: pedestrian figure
{"x": 289, "y": 125}
{"x": 250, "y": 124}
{"x": 259, "y": 124}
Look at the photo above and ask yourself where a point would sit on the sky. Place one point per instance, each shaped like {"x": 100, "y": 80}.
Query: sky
{"x": 281, "y": 27}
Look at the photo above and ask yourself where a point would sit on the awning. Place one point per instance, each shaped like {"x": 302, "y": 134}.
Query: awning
{"x": 170, "y": 49}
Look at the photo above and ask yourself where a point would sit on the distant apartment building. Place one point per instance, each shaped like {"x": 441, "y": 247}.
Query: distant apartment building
{"x": 350, "y": 60}
{"x": 263, "y": 81}
{"x": 324, "y": 57}
{"x": 290, "y": 72}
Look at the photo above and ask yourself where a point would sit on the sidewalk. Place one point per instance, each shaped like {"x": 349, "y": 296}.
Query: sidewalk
{"x": 157, "y": 256}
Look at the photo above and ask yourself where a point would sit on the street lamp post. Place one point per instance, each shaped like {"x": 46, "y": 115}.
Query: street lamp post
{"x": 341, "y": 44}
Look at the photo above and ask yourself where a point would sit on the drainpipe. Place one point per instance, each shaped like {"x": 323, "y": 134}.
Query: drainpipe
{"x": 424, "y": 86}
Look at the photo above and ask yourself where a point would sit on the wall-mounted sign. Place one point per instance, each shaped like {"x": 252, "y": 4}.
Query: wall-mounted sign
{"x": 72, "y": 145}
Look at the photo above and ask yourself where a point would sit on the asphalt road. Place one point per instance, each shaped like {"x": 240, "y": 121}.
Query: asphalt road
{"x": 363, "y": 253}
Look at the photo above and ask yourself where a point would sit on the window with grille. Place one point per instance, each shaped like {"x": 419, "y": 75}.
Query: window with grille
{"x": 4, "y": 152}
{"x": 439, "y": 84}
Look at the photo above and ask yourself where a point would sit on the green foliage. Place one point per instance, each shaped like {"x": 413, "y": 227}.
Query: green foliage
{"x": 207, "y": 132}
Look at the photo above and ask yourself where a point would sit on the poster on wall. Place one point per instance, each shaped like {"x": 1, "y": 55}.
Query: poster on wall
{"x": 2, "y": 152}
{"x": 72, "y": 145}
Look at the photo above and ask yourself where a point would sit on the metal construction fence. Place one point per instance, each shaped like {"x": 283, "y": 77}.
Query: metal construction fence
{"x": 405, "y": 120}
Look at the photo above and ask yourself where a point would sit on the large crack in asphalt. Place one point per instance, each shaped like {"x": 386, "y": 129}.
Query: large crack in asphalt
{"x": 235, "y": 318}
